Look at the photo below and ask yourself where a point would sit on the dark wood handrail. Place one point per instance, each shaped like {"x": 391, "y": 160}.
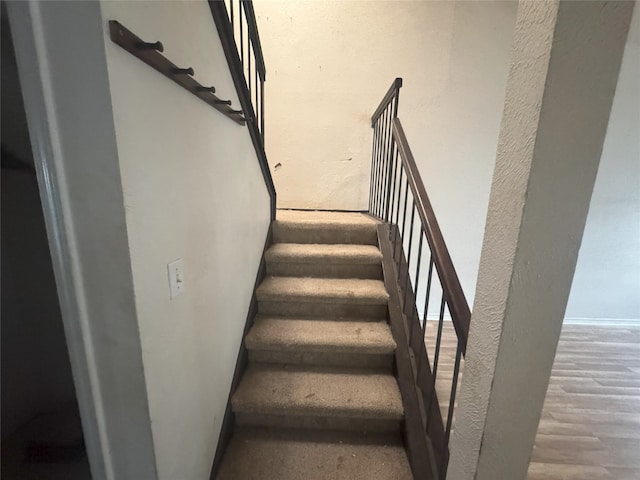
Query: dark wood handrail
{"x": 252, "y": 25}
{"x": 391, "y": 93}
{"x": 458, "y": 306}
{"x": 225, "y": 32}
{"x": 393, "y": 174}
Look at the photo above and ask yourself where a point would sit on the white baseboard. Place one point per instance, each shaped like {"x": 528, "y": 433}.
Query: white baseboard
{"x": 605, "y": 322}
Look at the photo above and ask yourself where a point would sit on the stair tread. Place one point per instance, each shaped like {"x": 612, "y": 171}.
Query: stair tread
{"x": 294, "y": 226}
{"x": 323, "y": 290}
{"x": 267, "y": 389}
{"x": 321, "y": 253}
{"x": 270, "y": 454}
{"x": 358, "y": 337}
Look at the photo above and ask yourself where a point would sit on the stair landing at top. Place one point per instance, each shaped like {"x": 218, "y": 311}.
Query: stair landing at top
{"x": 301, "y": 226}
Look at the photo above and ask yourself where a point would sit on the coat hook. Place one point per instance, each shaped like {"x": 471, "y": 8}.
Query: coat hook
{"x": 222, "y": 102}
{"x": 151, "y": 46}
{"x": 206, "y": 89}
{"x": 187, "y": 71}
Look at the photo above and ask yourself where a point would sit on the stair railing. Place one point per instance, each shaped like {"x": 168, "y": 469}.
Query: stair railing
{"x": 397, "y": 194}
{"x": 382, "y": 124}
{"x": 238, "y": 32}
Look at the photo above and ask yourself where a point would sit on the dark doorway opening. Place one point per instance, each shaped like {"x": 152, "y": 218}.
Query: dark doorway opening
{"x": 41, "y": 430}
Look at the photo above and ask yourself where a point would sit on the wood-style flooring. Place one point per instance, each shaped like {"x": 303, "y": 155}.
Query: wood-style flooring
{"x": 590, "y": 425}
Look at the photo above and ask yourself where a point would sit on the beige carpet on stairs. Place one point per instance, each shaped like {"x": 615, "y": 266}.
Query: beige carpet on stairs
{"x": 318, "y": 399}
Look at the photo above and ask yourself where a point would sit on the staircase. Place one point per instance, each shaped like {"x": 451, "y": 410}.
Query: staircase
{"x": 318, "y": 399}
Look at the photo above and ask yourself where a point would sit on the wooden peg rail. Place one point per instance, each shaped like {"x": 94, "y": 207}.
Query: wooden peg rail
{"x": 150, "y": 54}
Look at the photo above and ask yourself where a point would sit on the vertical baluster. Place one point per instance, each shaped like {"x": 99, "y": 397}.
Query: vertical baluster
{"x": 407, "y": 278}
{"x": 397, "y": 99}
{"x": 374, "y": 156}
{"x": 240, "y": 18}
{"x": 390, "y": 141}
{"x": 390, "y": 149}
{"x": 248, "y": 77}
{"x": 426, "y": 300}
{"x": 404, "y": 209}
{"x": 393, "y": 184}
{"x": 383, "y": 129}
{"x": 392, "y": 181}
{"x": 387, "y": 182}
{"x": 379, "y": 158}
{"x": 262, "y": 108}
{"x": 438, "y": 338}
{"x": 255, "y": 85}
{"x": 435, "y": 359}
{"x": 378, "y": 131}
{"x": 452, "y": 399}
{"x": 231, "y": 10}
{"x": 418, "y": 262}
{"x": 381, "y": 155}
{"x": 397, "y": 220}
{"x": 404, "y": 216}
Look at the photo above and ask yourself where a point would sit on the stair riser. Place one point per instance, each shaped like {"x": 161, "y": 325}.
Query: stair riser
{"x": 323, "y": 310}
{"x": 358, "y": 234}
{"x": 286, "y": 454}
{"x": 382, "y": 363}
{"x": 318, "y": 422}
{"x": 324, "y": 270}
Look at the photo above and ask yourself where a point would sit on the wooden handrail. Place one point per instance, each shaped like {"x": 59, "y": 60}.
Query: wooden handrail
{"x": 391, "y": 93}
{"x": 458, "y": 306}
{"x": 393, "y": 174}
{"x": 252, "y": 25}
{"x": 256, "y": 128}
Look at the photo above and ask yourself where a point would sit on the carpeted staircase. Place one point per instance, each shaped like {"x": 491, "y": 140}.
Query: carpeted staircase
{"x": 319, "y": 399}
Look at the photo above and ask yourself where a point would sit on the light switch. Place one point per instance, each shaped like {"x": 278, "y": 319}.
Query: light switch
{"x": 176, "y": 277}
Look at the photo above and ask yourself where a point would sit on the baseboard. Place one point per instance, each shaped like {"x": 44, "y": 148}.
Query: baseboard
{"x": 605, "y": 322}
{"x": 228, "y": 422}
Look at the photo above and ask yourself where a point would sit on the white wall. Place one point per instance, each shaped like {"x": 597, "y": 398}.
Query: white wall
{"x": 606, "y": 285}
{"x": 135, "y": 173}
{"x": 329, "y": 63}
{"x": 193, "y": 189}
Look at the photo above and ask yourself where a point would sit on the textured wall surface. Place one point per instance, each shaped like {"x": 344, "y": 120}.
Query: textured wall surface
{"x": 550, "y": 145}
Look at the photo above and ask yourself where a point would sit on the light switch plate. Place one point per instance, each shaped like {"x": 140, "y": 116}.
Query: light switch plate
{"x": 176, "y": 278}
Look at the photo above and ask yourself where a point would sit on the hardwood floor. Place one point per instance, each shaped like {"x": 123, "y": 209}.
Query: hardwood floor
{"x": 590, "y": 425}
